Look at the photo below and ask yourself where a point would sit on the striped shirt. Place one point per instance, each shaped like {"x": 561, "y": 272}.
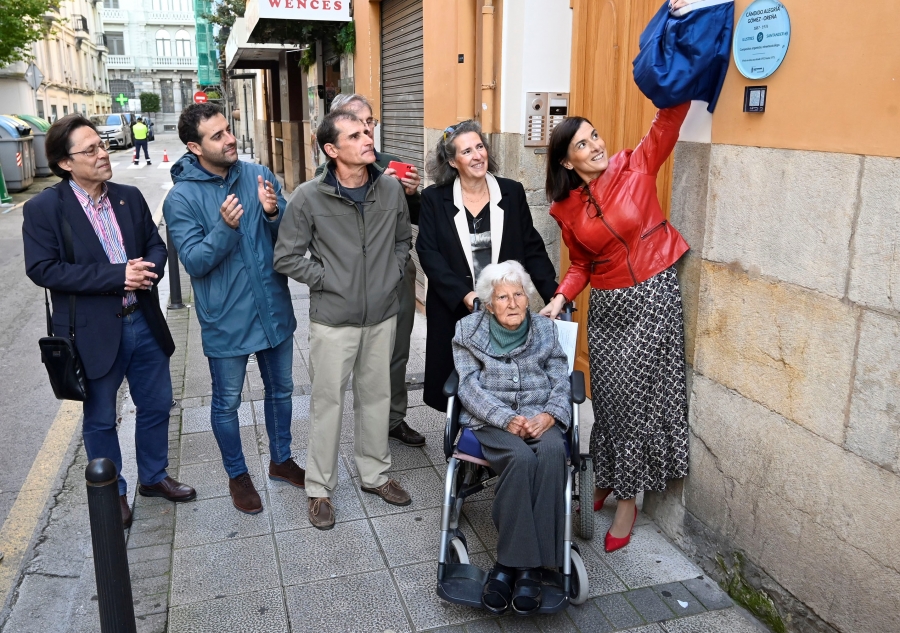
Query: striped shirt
{"x": 103, "y": 220}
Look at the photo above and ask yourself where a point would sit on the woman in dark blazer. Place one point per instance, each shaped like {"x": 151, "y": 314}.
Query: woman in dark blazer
{"x": 469, "y": 219}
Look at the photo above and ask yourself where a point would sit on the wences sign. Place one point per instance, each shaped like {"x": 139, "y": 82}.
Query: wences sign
{"x": 331, "y": 10}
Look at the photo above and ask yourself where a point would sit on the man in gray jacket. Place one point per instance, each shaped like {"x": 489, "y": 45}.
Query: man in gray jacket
{"x": 355, "y": 225}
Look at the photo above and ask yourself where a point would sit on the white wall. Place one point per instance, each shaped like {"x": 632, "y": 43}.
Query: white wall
{"x": 537, "y": 53}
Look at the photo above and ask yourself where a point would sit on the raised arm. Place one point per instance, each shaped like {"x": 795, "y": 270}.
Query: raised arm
{"x": 658, "y": 143}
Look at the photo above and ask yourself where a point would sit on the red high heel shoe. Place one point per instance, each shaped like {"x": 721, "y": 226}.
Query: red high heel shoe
{"x": 612, "y": 543}
{"x": 598, "y": 503}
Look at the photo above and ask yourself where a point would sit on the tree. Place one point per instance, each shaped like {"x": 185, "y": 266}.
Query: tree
{"x": 149, "y": 102}
{"x": 22, "y": 23}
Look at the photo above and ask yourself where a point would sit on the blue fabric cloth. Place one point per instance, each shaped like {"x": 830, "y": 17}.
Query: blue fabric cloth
{"x": 228, "y": 382}
{"x": 470, "y": 445}
{"x": 243, "y": 304}
{"x": 685, "y": 58}
{"x": 143, "y": 362}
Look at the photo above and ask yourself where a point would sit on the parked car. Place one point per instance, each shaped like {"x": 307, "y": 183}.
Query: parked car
{"x": 115, "y": 129}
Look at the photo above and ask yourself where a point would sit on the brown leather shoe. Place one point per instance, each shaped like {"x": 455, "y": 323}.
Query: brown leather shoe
{"x": 288, "y": 471}
{"x": 244, "y": 495}
{"x": 126, "y": 511}
{"x": 390, "y": 491}
{"x": 169, "y": 489}
{"x": 404, "y": 434}
{"x": 321, "y": 513}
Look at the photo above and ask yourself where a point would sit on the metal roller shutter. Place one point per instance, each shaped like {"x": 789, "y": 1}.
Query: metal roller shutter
{"x": 402, "y": 93}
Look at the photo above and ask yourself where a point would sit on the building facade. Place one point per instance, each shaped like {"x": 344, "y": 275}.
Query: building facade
{"x": 72, "y": 61}
{"x": 152, "y": 48}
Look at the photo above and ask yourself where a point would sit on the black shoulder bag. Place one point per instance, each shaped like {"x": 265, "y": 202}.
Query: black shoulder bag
{"x": 58, "y": 353}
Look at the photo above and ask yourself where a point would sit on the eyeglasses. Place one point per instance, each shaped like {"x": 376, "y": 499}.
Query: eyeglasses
{"x": 93, "y": 149}
{"x": 370, "y": 122}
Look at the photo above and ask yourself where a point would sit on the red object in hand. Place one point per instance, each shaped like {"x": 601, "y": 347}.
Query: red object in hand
{"x": 402, "y": 169}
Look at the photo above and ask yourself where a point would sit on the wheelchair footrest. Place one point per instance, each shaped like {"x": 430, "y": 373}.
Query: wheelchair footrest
{"x": 464, "y": 584}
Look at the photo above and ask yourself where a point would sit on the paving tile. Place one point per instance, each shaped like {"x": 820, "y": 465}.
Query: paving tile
{"x": 198, "y": 419}
{"x": 681, "y": 601}
{"x": 210, "y": 480}
{"x": 434, "y": 448}
{"x": 601, "y": 578}
{"x": 723, "y": 621}
{"x": 199, "y": 448}
{"x": 402, "y": 457}
{"x": 417, "y": 586}
{"x": 587, "y": 617}
{"x": 414, "y": 398}
{"x": 556, "y": 623}
{"x": 649, "y": 628}
{"x": 618, "y": 611}
{"x": 324, "y": 607}
{"x": 309, "y": 554}
{"x": 708, "y": 592}
{"x": 259, "y": 612}
{"x": 482, "y": 626}
{"x": 289, "y": 505}
{"x": 223, "y": 569}
{"x": 519, "y": 625}
{"x": 414, "y": 537}
{"x": 478, "y": 514}
{"x": 215, "y": 520}
{"x": 424, "y": 419}
{"x": 650, "y": 559}
{"x": 649, "y": 604}
{"x": 422, "y": 484}
{"x": 151, "y": 623}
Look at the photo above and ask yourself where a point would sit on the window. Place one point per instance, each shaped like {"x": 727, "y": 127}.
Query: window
{"x": 183, "y": 44}
{"x": 163, "y": 44}
{"x": 116, "y": 43}
{"x": 65, "y": 110}
{"x": 53, "y": 114}
{"x": 187, "y": 93}
{"x": 111, "y": 4}
{"x": 167, "y": 95}
{"x": 40, "y": 108}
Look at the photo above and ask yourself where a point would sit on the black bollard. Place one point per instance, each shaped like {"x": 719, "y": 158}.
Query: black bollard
{"x": 174, "y": 274}
{"x": 110, "y": 558}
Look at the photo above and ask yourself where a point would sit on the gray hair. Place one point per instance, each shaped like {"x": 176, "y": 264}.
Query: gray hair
{"x": 438, "y": 166}
{"x": 508, "y": 272}
{"x": 343, "y": 101}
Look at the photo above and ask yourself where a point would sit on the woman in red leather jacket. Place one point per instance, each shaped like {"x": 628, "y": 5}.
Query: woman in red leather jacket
{"x": 620, "y": 242}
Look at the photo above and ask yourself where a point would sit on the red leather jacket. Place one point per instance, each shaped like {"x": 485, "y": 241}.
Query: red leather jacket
{"x": 629, "y": 241}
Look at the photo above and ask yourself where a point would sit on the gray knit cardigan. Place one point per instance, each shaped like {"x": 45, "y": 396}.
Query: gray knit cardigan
{"x": 494, "y": 388}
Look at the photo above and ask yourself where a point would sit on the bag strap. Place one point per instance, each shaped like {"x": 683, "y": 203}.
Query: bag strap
{"x": 47, "y": 307}
{"x": 70, "y": 257}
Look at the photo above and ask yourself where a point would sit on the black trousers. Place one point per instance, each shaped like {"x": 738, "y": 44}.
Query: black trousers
{"x": 529, "y": 504}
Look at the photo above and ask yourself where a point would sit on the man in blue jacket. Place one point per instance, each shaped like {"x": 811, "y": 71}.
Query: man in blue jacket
{"x": 224, "y": 217}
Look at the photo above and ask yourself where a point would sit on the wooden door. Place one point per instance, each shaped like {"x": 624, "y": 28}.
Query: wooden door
{"x": 605, "y": 36}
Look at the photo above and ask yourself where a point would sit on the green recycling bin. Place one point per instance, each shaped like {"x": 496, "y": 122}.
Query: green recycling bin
{"x": 39, "y": 128}
{"x": 16, "y": 153}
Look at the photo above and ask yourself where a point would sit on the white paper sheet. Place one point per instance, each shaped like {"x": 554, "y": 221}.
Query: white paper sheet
{"x": 568, "y": 339}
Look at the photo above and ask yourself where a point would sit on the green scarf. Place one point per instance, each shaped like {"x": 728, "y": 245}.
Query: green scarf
{"x": 504, "y": 341}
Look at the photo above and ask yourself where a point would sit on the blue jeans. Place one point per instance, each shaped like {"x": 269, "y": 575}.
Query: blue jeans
{"x": 142, "y": 361}
{"x": 228, "y": 382}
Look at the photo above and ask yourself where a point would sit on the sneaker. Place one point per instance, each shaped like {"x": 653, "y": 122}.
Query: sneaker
{"x": 321, "y": 513}
{"x": 244, "y": 495}
{"x": 406, "y": 435}
{"x": 288, "y": 471}
{"x": 391, "y": 492}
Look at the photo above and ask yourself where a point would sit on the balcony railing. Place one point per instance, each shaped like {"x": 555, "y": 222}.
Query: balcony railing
{"x": 79, "y": 24}
{"x": 173, "y": 62}
{"x": 120, "y": 61}
{"x": 100, "y": 40}
{"x": 113, "y": 15}
{"x": 170, "y": 17}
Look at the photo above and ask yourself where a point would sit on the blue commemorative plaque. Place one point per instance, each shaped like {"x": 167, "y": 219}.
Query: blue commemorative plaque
{"x": 761, "y": 38}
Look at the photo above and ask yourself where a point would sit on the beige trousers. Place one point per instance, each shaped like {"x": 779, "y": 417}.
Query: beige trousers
{"x": 333, "y": 353}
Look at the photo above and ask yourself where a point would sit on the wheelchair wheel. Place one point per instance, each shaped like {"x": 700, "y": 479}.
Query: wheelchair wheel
{"x": 579, "y": 581}
{"x": 584, "y": 516}
{"x": 458, "y": 553}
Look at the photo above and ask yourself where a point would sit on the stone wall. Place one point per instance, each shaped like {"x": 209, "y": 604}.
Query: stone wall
{"x": 792, "y": 307}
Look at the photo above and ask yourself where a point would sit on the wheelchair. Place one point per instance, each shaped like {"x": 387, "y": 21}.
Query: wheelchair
{"x": 468, "y": 473}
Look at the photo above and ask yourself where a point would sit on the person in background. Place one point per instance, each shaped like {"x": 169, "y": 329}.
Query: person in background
{"x": 470, "y": 218}
{"x": 353, "y": 222}
{"x": 400, "y": 431}
{"x": 139, "y": 131}
{"x": 224, "y": 215}
{"x": 120, "y": 330}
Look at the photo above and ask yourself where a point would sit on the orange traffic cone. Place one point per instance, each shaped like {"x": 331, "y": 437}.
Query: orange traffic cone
{"x": 165, "y": 156}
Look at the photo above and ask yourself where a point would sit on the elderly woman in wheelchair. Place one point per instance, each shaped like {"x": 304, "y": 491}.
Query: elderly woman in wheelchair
{"x": 516, "y": 400}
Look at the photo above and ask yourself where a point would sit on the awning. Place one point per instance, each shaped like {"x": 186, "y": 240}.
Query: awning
{"x": 240, "y": 53}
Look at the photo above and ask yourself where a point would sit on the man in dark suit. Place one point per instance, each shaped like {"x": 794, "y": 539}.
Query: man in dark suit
{"x": 120, "y": 330}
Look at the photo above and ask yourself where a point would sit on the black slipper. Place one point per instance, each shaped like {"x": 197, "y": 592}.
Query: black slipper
{"x": 526, "y": 597}
{"x": 497, "y": 590}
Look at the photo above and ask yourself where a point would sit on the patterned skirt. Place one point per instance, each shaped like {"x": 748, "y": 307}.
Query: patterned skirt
{"x": 636, "y": 342}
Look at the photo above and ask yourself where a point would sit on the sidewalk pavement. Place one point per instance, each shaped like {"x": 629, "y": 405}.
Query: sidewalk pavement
{"x": 205, "y": 567}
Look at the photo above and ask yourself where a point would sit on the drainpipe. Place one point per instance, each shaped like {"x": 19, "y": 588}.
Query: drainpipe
{"x": 488, "y": 83}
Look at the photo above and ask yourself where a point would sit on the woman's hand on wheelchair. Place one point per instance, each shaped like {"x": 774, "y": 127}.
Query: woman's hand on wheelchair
{"x": 555, "y": 306}
{"x": 469, "y": 301}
